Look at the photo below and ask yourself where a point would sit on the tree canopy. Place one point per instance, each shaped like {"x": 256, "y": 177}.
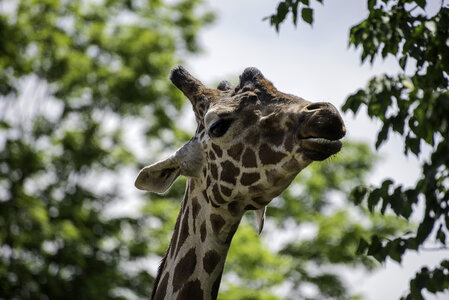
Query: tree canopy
{"x": 100, "y": 64}
{"x": 413, "y": 104}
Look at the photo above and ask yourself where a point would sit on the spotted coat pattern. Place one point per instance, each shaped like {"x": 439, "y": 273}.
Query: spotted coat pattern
{"x": 251, "y": 142}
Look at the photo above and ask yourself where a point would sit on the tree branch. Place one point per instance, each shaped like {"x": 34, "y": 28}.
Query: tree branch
{"x": 435, "y": 249}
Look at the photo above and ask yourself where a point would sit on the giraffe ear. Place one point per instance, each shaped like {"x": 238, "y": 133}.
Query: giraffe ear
{"x": 260, "y": 217}
{"x": 159, "y": 176}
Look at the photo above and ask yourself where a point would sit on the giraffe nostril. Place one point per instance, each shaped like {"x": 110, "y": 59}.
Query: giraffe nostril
{"x": 315, "y": 106}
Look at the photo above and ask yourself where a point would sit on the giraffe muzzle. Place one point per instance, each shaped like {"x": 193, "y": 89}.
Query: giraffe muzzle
{"x": 321, "y": 130}
{"x": 319, "y": 149}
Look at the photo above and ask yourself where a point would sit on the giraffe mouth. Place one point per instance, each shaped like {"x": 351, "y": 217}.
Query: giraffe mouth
{"x": 320, "y": 148}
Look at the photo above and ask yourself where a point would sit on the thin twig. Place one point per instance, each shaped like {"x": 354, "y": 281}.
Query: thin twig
{"x": 416, "y": 6}
{"x": 435, "y": 249}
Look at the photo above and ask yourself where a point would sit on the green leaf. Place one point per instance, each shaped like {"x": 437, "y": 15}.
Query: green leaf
{"x": 441, "y": 235}
{"x": 373, "y": 199}
{"x": 425, "y": 228}
{"x": 400, "y": 248}
{"x": 307, "y": 15}
{"x": 294, "y": 9}
{"x": 354, "y": 101}
{"x": 421, "y": 3}
{"x": 382, "y": 135}
{"x": 281, "y": 12}
{"x": 358, "y": 194}
{"x": 397, "y": 200}
{"x": 371, "y": 4}
{"x": 413, "y": 144}
{"x": 362, "y": 247}
{"x": 375, "y": 249}
{"x": 385, "y": 186}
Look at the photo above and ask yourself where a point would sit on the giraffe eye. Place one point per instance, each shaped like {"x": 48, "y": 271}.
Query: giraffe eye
{"x": 220, "y": 127}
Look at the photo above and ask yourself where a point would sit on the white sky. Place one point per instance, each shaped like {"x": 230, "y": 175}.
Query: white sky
{"x": 314, "y": 63}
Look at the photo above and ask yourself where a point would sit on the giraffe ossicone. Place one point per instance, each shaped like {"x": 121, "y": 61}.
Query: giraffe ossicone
{"x": 250, "y": 143}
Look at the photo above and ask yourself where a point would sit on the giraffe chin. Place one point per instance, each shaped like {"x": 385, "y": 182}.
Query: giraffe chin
{"x": 318, "y": 149}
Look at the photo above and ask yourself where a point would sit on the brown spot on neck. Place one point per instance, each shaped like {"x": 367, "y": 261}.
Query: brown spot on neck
{"x": 229, "y": 172}
{"x": 292, "y": 165}
{"x": 184, "y": 269}
{"x": 210, "y": 261}
{"x": 203, "y": 231}
{"x": 208, "y": 180}
{"x": 236, "y": 151}
{"x": 205, "y": 196}
{"x": 161, "y": 289}
{"x": 276, "y": 139}
{"x": 215, "y": 287}
{"x": 227, "y": 192}
{"x": 261, "y": 201}
{"x": 214, "y": 170}
{"x": 217, "y": 222}
{"x": 234, "y": 208}
{"x": 192, "y": 290}
{"x": 217, "y": 150}
{"x": 268, "y": 156}
{"x": 212, "y": 155}
{"x": 249, "y": 178}
{"x": 173, "y": 242}
{"x": 232, "y": 232}
{"x": 195, "y": 207}
{"x": 184, "y": 230}
{"x": 217, "y": 195}
{"x": 249, "y": 159}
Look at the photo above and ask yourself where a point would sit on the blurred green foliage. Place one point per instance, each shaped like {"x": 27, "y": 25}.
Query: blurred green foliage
{"x": 73, "y": 76}
{"x": 415, "y": 105}
{"x": 98, "y": 62}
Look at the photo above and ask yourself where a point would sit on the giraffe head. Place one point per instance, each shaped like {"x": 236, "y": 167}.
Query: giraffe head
{"x": 251, "y": 141}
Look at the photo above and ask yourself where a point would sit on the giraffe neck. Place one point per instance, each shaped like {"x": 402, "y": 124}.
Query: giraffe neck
{"x": 194, "y": 262}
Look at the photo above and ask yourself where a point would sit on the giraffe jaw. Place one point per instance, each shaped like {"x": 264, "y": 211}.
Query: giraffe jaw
{"x": 319, "y": 149}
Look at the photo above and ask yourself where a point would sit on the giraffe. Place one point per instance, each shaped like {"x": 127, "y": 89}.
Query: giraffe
{"x": 250, "y": 143}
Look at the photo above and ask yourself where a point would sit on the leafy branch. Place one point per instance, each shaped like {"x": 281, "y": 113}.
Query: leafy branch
{"x": 292, "y": 7}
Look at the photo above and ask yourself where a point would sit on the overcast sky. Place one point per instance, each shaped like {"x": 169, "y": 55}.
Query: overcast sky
{"x": 314, "y": 63}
